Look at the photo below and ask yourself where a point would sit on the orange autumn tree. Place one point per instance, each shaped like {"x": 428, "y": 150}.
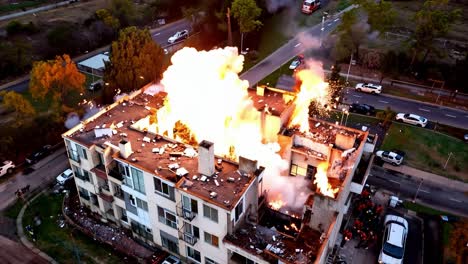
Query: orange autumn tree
{"x": 55, "y": 78}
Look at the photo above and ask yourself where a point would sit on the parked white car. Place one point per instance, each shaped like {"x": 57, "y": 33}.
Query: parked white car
{"x": 6, "y": 167}
{"x": 179, "y": 35}
{"x": 369, "y": 88}
{"x": 412, "y": 119}
{"x": 64, "y": 176}
{"x": 390, "y": 157}
{"x": 394, "y": 240}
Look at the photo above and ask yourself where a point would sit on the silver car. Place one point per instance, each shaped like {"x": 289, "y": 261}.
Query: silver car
{"x": 411, "y": 119}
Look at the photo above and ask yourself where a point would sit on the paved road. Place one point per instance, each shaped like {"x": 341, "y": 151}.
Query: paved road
{"x": 44, "y": 172}
{"x": 159, "y": 35}
{"x": 304, "y": 41}
{"x": 429, "y": 193}
{"x": 443, "y": 115}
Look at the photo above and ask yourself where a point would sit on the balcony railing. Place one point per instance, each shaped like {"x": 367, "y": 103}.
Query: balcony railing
{"x": 185, "y": 213}
{"x": 187, "y": 237}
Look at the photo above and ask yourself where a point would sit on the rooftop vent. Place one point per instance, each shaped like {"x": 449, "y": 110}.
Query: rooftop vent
{"x": 206, "y": 158}
{"x": 102, "y": 132}
{"x": 247, "y": 165}
{"x": 125, "y": 149}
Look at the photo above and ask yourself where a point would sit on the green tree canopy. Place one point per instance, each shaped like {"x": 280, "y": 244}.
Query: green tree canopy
{"x": 105, "y": 16}
{"x": 246, "y": 13}
{"x": 434, "y": 20}
{"x": 124, "y": 10}
{"x": 351, "y": 35}
{"x": 380, "y": 14}
{"x": 55, "y": 78}
{"x": 15, "y": 57}
{"x": 135, "y": 60}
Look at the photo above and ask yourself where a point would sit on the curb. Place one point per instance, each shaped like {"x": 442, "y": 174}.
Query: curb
{"x": 423, "y": 102}
{"x": 23, "y": 239}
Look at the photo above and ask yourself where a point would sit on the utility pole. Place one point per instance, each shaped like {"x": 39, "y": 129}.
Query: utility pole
{"x": 349, "y": 67}
{"x": 450, "y": 155}
{"x": 228, "y": 15}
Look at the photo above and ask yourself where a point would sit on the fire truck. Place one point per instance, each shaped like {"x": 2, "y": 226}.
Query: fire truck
{"x": 309, "y": 6}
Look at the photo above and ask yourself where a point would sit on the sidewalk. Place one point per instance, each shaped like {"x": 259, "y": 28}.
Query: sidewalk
{"x": 430, "y": 177}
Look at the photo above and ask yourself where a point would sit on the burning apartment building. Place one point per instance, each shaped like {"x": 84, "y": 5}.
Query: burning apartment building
{"x": 215, "y": 172}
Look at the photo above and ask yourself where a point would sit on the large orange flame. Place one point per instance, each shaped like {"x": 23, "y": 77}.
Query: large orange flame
{"x": 312, "y": 88}
{"x": 321, "y": 180}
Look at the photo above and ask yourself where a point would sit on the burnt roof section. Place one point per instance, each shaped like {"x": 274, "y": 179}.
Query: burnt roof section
{"x": 164, "y": 157}
{"x": 271, "y": 99}
{"x": 324, "y": 132}
{"x": 271, "y": 244}
{"x": 223, "y": 189}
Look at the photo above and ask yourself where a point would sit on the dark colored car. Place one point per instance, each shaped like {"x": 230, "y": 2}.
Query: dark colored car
{"x": 364, "y": 109}
{"x": 38, "y": 154}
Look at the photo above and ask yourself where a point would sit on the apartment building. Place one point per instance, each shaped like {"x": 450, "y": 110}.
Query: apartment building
{"x": 205, "y": 208}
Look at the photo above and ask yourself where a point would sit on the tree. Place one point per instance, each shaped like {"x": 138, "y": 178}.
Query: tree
{"x": 386, "y": 116}
{"x": 433, "y": 21}
{"x": 55, "y": 78}
{"x": 63, "y": 39}
{"x": 336, "y": 83}
{"x": 246, "y": 12}
{"x": 380, "y": 14}
{"x": 21, "y": 107}
{"x": 105, "y": 16}
{"x": 352, "y": 34}
{"x": 135, "y": 60}
{"x": 124, "y": 10}
{"x": 458, "y": 240}
{"x": 15, "y": 57}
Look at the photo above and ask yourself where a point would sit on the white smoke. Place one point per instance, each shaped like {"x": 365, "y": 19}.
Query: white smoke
{"x": 275, "y": 5}
{"x": 72, "y": 120}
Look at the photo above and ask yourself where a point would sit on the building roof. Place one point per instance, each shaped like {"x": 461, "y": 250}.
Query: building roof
{"x": 272, "y": 100}
{"x": 271, "y": 244}
{"x": 95, "y": 62}
{"x": 165, "y": 158}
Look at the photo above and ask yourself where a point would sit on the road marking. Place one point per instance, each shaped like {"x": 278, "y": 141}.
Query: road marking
{"x": 157, "y": 34}
{"x": 397, "y": 182}
{"x": 358, "y": 96}
{"x": 455, "y": 200}
{"x": 425, "y": 110}
{"x": 421, "y": 190}
{"x": 336, "y": 19}
{"x": 385, "y": 102}
{"x": 450, "y": 115}
{"x": 329, "y": 24}
{"x": 297, "y": 45}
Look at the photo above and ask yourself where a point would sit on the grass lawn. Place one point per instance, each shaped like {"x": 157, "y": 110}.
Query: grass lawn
{"x": 422, "y": 209}
{"x": 62, "y": 244}
{"x": 335, "y": 116}
{"x": 18, "y": 6}
{"x": 14, "y": 209}
{"x": 273, "y": 77}
{"x": 428, "y": 150}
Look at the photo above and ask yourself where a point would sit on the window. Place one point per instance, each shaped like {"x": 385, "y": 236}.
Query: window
{"x": 190, "y": 205}
{"x": 142, "y": 204}
{"x": 169, "y": 242}
{"x": 210, "y": 261}
{"x": 86, "y": 176}
{"x": 210, "y": 213}
{"x": 193, "y": 254}
{"x": 101, "y": 158}
{"x": 211, "y": 239}
{"x": 132, "y": 199}
{"x": 166, "y": 217}
{"x": 141, "y": 230}
{"x": 83, "y": 193}
{"x": 191, "y": 230}
{"x": 85, "y": 154}
{"x": 239, "y": 210}
{"x": 138, "y": 183}
{"x": 164, "y": 189}
{"x": 296, "y": 170}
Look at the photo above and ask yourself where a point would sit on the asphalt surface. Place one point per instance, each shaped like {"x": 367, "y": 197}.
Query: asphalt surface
{"x": 414, "y": 240}
{"x": 443, "y": 115}
{"x": 429, "y": 193}
{"x": 159, "y": 35}
{"x": 305, "y": 41}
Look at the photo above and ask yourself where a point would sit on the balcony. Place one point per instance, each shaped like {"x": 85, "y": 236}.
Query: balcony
{"x": 114, "y": 173}
{"x": 185, "y": 213}
{"x": 100, "y": 171}
{"x": 187, "y": 237}
{"x": 73, "y": 155}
